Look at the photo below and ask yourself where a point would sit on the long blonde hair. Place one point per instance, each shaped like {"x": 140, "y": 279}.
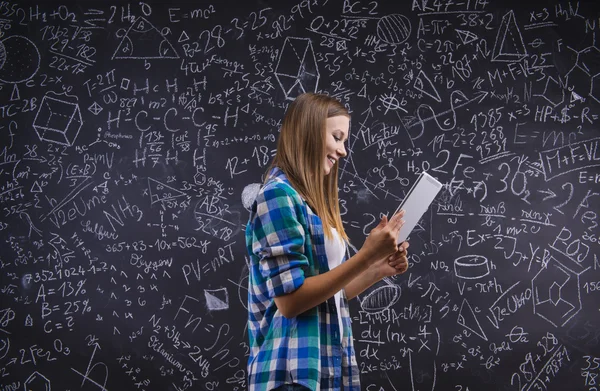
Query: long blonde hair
{"x": 300, "y": 155}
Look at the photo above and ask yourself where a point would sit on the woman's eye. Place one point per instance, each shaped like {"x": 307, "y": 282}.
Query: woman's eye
{"x": 336, "y": 138}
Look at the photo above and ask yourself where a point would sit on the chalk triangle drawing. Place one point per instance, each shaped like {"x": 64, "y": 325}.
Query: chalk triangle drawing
{"x": 363, "y": 92}
{"x": 509, "y": 45}
{"x": 466, "y": 37}
{"x": 216, "y": 299}
{"x": 425, "y": 86}
{"x": 143, "y": 41}
{"x": 15, "y": 95}
{"x": 183, "y": 37}
{"x": 468, "y": 320}
{"x": 161, "y": 192}
{"x": 576, "y": 97}
{"x": 36, "y": 188}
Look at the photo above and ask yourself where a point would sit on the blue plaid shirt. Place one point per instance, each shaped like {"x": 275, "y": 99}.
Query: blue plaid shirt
{"x": 286, "y": 243}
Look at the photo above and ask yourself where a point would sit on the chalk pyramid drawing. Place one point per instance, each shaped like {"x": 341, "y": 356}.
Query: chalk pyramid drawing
{"x": 468, "y": 320}
{"x": 143, "y": 41}
{"x": 216, "y": 299}
{"x": 509, "y": 46}
{"x": 297, "y": 71}
{"x": 466, "y": 37}
{"x": 425, "y": 86}
{"x": 161, "y": 192}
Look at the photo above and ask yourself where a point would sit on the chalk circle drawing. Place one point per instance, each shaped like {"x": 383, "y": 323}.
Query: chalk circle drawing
{"x": 242, "y": 284}
{"x": 390, "y": 102}
{"x": 216, "y": 299}
{"x": 4, "y": 345}
{"x": 509, "y": 45}
{"x": 19, "y": 59}
{"x": 143, "y": 41}
{"x": 297, "y": 71}
{"x": 37, "y": 382}
{"x": 58, "y": 120}
{"x": 394, "y": 29}
{"x": 249, "y": 194}
{"x": 471, "y": 267}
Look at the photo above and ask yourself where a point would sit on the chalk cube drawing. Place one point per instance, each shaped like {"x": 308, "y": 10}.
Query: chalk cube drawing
{"x": 297, "y": 71}
{"x": 58, "y": 121}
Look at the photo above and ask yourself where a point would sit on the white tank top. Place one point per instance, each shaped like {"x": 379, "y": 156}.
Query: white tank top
{"x": 335, "y": 249}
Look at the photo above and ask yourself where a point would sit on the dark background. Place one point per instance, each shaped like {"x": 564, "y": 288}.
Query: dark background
{"x": 133, "y": 135}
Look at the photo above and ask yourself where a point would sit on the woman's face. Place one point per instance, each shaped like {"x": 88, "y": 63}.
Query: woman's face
{"x": 337, "y": 132}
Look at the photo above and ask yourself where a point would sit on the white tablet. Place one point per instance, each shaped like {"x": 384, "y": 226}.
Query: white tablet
{"x": 417, "y": 201}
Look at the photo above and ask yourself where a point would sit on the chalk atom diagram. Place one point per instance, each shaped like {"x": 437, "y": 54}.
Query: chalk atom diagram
{"x": 143, "y": 41}
{"x": 297, "y": 71}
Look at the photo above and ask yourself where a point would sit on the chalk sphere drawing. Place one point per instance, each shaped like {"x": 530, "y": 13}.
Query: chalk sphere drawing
{"x": 394, "y": 29}
{"x": 19, "y": 59}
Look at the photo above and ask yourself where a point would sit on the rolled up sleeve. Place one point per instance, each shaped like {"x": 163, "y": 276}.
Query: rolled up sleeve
{"x": 279, "y": 241}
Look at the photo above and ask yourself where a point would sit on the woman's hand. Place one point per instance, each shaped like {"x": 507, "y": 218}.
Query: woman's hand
{"x": 381, "y": 242}
{"x": 397, "y": 263}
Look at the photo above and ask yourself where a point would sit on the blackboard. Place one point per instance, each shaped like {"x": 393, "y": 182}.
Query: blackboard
{"x": 133, "y": 136}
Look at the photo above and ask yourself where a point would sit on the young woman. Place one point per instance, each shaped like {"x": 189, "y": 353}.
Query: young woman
{"x": 300, "y": 280}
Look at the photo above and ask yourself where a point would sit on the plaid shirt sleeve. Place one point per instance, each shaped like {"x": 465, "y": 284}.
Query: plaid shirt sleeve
{"x": 279, "y": 240}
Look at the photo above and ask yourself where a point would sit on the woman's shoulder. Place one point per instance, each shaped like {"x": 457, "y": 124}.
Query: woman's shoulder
{"x": 278, "y": 186}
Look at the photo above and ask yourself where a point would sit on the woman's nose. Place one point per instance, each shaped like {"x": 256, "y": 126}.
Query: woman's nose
{"x": 342, "y": 151}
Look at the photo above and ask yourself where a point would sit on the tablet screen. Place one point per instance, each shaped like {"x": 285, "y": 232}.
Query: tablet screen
{"x": 417, "y": 201}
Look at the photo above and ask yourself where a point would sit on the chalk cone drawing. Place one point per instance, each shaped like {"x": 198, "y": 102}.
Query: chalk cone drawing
{"x": 216, "y": 299}
{"x": 509, "y": 45}
{"x": 58, "y": 119}
{"x": 19, "y": 59}
{"x": 297, "y": 71}
{"x": 467, "y": 319}
{"x": 394, "y": 29}
{"x": 143, "y": 41}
